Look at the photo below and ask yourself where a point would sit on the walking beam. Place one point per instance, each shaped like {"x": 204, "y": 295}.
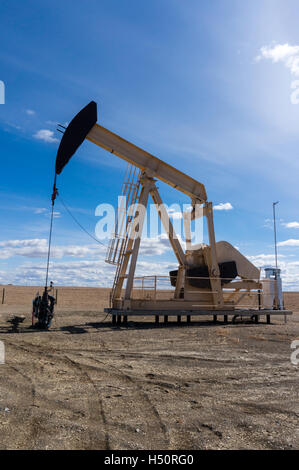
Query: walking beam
{"x": 144, "y": 160}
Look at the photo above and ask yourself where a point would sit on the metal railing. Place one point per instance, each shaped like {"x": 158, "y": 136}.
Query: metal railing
{"x": 156, "y": 288}
{"x": 124, "y": 217}
{"x": 123, "y": 224}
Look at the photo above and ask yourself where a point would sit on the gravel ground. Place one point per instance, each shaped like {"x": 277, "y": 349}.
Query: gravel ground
{"x": 88, "y": 385}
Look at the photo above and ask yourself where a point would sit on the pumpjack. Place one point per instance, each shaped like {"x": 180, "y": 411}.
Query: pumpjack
{"x": 211, "y": 279}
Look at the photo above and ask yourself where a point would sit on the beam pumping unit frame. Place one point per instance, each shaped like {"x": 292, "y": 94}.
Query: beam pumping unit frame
{"x": 211, "y": 279}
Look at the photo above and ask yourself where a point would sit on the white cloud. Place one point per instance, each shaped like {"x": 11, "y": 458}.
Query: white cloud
{"x": 24, "y": 243}
{"x": 38, "y": 248}
{"x": 263, "y": 261}
{"x": 87, "y": 267}
{"x": 279, "y": 52}
{"x": 93, "y": 272}
{"x": 46, "y": 135}
{"x": 289, "y": 268}
{"x": 268, "y": 223}
{"x": 155, "y": 246}
{"x": 83, "y": 265}
{"x": 40, "y": 210}
{"x": 292, "y": 225}
{"x": 70, "y": 273}
{"x": 223, "y": 207}
{"x": 285, "y": 53}
{"x": 30, "y": 112}
{"x": 46, "y": 212}
{"x": 175, "y": 215}
{"x": 290, "y": 242}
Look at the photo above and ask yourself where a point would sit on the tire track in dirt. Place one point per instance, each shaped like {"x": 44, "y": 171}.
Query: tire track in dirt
{"x": 29, "y": 381}
{"x": 150, "y": 356}
{"x": 36, "y": 426}
{"x": 93, "y": 411}
{"x": 92, "y": 406}
{"x": 143, "y": 396}
{"x": 140, "y": 395}
{"x": 25, "y": 402}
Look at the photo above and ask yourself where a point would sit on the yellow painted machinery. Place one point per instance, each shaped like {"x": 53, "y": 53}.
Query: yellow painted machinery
{"x": 211, "y": 279}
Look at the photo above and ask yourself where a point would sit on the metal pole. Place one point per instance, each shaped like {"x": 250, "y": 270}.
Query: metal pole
{"x": 275, "y": 237}
{"x": 276, "y": 261}
{"x": 50, "y": 234}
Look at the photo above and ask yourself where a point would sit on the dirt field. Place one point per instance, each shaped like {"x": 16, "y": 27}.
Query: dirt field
{"x": 88, "y": 385}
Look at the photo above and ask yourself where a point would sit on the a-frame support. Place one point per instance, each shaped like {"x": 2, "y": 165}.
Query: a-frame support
{"x": 134, "y": 235}
{"x": 129, "y": 261}
{"x": 168, "y": 227}
{"x": 138, "y": 228}
{"x": 211, "y": 258}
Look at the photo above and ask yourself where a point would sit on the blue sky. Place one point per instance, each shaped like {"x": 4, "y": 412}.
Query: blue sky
{"x": 204, "y": 85}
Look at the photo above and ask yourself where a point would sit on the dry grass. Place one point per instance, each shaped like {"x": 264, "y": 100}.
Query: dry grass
{"x": 88, "y": 298}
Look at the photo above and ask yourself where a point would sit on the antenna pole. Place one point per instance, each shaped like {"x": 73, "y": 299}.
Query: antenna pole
{"x": 275, "y": 237}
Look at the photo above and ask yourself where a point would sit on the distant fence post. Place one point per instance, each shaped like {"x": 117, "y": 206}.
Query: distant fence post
{"x": 3, "y": 295}
{"x": 56, "y": 296}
